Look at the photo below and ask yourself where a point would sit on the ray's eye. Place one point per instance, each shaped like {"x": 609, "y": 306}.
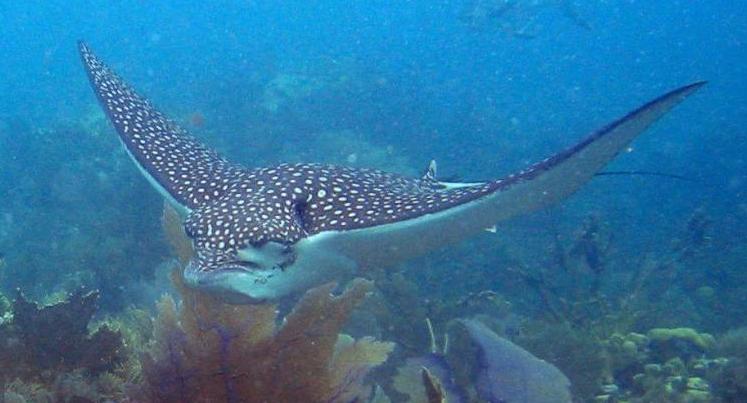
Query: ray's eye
{"x": 299, "y": 214}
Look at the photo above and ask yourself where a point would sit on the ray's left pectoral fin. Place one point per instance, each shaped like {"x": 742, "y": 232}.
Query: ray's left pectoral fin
{"x": 559, "y": 176}
{"x": 186, "y": 172}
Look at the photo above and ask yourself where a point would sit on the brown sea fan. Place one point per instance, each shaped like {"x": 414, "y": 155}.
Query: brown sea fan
{"x": 206, "y": 350}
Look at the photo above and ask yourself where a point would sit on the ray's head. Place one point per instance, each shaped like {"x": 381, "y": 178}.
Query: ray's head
{"x": 239, "y": 276}
{"x": 240, "y": 253}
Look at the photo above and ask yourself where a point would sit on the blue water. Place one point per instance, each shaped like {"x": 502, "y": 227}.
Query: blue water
{"x": 392, "y": 85}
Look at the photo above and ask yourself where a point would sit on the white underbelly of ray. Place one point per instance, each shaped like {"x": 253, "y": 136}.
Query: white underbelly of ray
{"x": 180, "y": 208}
{"x": 389, "y": 244}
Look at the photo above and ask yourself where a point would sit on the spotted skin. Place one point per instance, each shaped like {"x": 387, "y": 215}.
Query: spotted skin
{"x": 266, "y": 232}
{"x": 231, "y": 206}
{"x": 188, "y": 171}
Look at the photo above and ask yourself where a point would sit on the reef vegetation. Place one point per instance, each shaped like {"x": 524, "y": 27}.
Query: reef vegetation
{"x": 201, "y": 350}
{"x": 622, "y": 323}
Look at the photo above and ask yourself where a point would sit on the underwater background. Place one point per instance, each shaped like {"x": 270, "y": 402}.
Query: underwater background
{"x": 635, "y": 287}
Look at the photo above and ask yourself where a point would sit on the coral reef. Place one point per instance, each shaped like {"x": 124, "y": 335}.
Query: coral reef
{"x": 434, "y": 392}
{"x": 731, "y": 377}
{"x": 671, "y": 382}
{"x": 396, "y": 306}
{"x": 429, "y": 378}
{"x": 82, "y": 207}
{"x": 197, "y": 344}
{"x": 56, "y": 338}
{"x": 208, "y": 350}
{"x": 199, "y": 350}
{"x": 575, "y": 352}
{"x": 665, "y": 365}
{"x": 49, "y": 353}
{"x": 625, "y": 327}
{"x": 586, "y": 283}
{"x": 679, "y": 342}
{"x": 479, "y": 365}
{"x": 418, "y": 384}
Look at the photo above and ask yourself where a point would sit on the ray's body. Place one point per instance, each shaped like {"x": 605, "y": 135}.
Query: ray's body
{"x": 265, "y": 233}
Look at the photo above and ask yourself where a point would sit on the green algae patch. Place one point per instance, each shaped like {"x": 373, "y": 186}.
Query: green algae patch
{"x": 703, "y": 341}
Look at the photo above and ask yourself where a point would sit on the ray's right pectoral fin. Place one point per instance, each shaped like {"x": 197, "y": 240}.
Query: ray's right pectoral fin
{"x": 185, "y": 171}
{"x": 559, "y": 176}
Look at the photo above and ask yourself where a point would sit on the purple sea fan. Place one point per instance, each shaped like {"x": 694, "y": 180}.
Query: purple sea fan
{"x": 510, "y": 374}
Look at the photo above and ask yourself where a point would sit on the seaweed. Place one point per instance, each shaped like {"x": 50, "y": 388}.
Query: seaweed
{"x": 570, "y": 289}
{"x": 56, "y": 338}
{"x": 586, "y": 283}
{"x": 53, "y": 353}
{"x": 87, "y": 215}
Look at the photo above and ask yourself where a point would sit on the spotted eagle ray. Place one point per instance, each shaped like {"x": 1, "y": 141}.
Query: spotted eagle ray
{"x": 265, "y": 233}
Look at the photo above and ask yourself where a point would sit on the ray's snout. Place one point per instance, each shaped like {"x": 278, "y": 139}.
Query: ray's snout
{"x": 223, "y": 282}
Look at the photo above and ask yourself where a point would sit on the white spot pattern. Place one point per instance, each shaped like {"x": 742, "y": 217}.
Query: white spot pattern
{"x": 234, "y": 207}
{"x": 192, "y": 173}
